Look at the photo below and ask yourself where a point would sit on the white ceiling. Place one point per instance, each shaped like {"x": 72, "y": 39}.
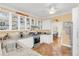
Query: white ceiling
{"x": 41, "y": 9}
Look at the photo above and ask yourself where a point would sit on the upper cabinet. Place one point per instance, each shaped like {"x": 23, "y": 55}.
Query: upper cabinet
{"x": 32, "y": 22}
{"x": 33, "y": 25}
{"x": 39, "y": 24}
{"x": 28, "y": 23}
{"x": 14, "y": 22}
{"x": 4, "y": 20}
{"x": 22, "y": 22}
{"x": 36, "y": 24}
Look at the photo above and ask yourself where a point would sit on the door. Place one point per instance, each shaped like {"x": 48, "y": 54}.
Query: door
{"x": 67, "y": 33}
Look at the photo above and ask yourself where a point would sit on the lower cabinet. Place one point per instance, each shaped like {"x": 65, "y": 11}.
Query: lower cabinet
{"x": 26, "y": 42}
{"x": 29, "y": 42}
{"x": 0, "y": 49}
{"x": 46, "y": 39}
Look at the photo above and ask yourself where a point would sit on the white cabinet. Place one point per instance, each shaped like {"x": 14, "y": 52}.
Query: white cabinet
{"x": 32, "y": 22}
{"x": 39, "y": 24}
{"x": 22, "y": 22}
{"x": 14, "y": 22}
{"x": 46, "y": 25}
{"x": 28, "y": 42}
{"x": 33, "y": 26}
{"x": 4, "y": 20}
{"x": 0, "y": 49}
{"x": 28, "y": 23}
{"x": 46, "y": 39}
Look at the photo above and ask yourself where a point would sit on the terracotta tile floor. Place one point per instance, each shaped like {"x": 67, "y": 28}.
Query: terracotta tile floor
{"x": 53, "y": 49}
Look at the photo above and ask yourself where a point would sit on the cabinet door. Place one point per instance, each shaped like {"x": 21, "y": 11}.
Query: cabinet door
{"x": 32, "y": 22}
{"x": 46, "y": 39}
{"x": 14, "y": 22}
{"x": 22, "y": 23}
{"x": 4, "y": 20}
{"x": 28, "y": 42}
{"x": 39, "y": 24}
{"x": 36, "y": 22}
{"x": 28, "y": 23}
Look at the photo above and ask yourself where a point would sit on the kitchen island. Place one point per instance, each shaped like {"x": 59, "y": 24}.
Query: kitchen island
{"x": 12, "y": 50}
{"x": 26, "y": 44}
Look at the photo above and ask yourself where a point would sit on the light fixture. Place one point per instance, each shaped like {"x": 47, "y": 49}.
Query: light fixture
{"x": 52, "y": 10}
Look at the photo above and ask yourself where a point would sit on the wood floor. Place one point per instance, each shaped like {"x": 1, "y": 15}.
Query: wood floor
{"x": 53, "y": 49}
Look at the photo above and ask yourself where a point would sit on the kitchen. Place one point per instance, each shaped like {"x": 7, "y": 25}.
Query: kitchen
{"x": 25, "y": 34}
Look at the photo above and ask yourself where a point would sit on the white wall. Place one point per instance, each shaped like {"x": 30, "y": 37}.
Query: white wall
{"x": 75, "y": 18}
{"x": 46, "y": 24}
{"x": 57, "y": 27}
